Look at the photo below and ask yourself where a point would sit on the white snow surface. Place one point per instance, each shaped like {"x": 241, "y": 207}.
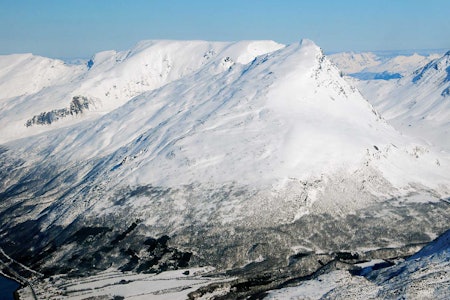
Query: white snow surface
{"x": 31, "y": 84}
{"x": 418, "y": 104}
{"x": 22, "y": 74}
{"x": 286, "y": 114}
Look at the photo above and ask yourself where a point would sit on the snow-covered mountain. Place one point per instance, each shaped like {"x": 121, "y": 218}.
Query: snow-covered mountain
{"x": 199, "y": 153}
{"x": 39, "y": 91}
{"x": 416, "y": 104}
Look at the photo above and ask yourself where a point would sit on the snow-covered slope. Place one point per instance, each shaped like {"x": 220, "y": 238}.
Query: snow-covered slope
{"x": 285, "y": 116}
{"x": 422, "y": 276}
{"x": 223, "y": 160}
{"x": 43, "y": 88}
{"x": 417, "y": 104}
{"x": 274, "y": 113}
{"x": 25, "y": 74}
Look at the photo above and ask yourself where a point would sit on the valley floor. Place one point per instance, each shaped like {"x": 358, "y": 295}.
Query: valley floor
{"x": 423, "y": 275}
{"x": 113, "y": 284}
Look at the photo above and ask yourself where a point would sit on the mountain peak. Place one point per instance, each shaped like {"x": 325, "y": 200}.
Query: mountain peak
{"x": 308, "y": 43}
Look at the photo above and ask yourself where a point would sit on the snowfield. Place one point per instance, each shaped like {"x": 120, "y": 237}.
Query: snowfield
{"x": 183, "y": 154}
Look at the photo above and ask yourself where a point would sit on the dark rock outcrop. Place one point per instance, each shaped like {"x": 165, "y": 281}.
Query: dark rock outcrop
{"x": 77, "y": 106}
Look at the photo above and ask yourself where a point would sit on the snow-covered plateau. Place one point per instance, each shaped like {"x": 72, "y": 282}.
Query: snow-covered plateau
{"x": 260, "y": 160}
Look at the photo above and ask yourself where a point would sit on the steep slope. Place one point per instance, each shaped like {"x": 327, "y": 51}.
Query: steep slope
{"x": 417, "y": 104}
{"x": 224, "y": 163}
{"x": 39, "y": 92}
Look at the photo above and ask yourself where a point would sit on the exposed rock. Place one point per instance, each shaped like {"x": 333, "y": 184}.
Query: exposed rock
{"x": 77, "y": 106}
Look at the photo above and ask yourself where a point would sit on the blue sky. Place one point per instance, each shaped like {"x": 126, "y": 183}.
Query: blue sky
{"x": 70, "y": 29}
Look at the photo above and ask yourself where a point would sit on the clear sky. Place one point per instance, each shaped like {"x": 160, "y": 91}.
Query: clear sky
{"x": 79, "y": 28}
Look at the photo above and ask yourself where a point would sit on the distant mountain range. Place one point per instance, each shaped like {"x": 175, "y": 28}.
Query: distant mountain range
{"x": 366, "y": 63}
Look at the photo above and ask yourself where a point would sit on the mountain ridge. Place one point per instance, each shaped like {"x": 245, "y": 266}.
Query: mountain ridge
{"x": 113, "y": 78}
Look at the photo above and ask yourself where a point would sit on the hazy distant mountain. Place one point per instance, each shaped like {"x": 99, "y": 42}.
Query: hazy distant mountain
{"x": 368, "y": 65}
